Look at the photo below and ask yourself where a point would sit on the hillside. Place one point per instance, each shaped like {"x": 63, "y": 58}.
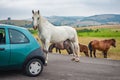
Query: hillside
{"x": 86, "y": 21}
{"x": 104, "y": 19}
{"x": 76, "y": 21}
{"x": 22, "y": 23}
{"x": 62, "y": 20}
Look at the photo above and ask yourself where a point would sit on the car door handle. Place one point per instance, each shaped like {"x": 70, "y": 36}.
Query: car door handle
{"x": 2, "y": 49}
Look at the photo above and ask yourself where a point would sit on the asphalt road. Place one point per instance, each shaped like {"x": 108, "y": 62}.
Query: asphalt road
{"x": 60, "y": 67}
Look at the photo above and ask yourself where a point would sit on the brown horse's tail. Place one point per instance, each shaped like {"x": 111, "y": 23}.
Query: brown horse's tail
{"x": 90, "y": 46}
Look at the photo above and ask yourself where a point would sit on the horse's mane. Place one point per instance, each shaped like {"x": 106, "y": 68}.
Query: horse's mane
{"x": 113, "y": 40}
{"x": 44, "y": 20}
{"x": 108, "y": 40}
{"x": 105, "y": 40}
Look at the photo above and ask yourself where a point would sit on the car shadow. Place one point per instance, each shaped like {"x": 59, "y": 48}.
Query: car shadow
{"x": 10, "y": 73}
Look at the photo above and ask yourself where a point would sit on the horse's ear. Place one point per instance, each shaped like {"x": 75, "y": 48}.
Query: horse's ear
{"x": 38, "y": 11}
{"x": 33, "y": 11}
{"x": 113, "y": 40}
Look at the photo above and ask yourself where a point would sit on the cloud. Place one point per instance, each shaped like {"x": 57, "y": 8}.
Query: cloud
{"x": 21, "y": 9}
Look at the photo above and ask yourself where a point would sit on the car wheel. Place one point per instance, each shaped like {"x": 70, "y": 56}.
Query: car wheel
{"x": 34, "y": 67}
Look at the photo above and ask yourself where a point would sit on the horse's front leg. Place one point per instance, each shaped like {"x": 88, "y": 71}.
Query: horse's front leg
{"x": 46, "y": 46}
{"x": 86, "y": 54}
{"x": 105, "y": 54}
{"x": 43, "y": 46}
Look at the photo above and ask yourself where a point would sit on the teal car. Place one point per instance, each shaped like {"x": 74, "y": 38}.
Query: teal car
{"x": 20, "y": 50}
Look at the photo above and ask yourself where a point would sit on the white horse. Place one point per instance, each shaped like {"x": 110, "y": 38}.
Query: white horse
{"x": 49, "y": 33}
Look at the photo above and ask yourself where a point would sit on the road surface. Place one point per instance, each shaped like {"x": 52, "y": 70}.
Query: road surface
{"x": 60, "y": 67}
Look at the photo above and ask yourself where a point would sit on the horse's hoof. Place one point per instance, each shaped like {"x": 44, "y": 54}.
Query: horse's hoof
{"x": 73, "y": 59}
{"x": 77, "y": 60}
{"x": 45, "y": 64}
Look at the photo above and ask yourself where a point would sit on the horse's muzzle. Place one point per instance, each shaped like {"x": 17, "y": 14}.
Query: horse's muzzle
{"x": 34, "y": 27}
{"x": 114, "y": 45}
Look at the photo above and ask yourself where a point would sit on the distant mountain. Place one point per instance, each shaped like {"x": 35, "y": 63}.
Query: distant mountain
{"x": 85, "y": 21}
{"x": 62, "y": 20}
{"x": 104, "y": 19}
{"x": 76, "y": 21}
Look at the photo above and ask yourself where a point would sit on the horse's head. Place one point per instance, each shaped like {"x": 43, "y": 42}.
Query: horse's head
{"x": 35, "y": 18}
{"x": 113, "y": 42}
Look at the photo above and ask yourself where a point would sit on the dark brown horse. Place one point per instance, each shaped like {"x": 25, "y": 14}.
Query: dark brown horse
{"x": 61, "y": 46}
{"x": 67, "y": 45}
{"x": 103, "y": 45}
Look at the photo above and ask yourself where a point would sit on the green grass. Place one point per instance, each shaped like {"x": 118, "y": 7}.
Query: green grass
{"x": 34, "y": 32}
{"x": 102, "y": 32}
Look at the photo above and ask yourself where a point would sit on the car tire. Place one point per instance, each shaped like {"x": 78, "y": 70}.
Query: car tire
{"x": 34, "y": 67}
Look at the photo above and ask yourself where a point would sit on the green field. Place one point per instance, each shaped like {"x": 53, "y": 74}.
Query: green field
{"x": 102, "y": 32}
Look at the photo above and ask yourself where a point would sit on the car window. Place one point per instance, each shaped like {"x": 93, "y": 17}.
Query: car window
{"x": 17, "y": 37}
{"x": 2, "y": 36}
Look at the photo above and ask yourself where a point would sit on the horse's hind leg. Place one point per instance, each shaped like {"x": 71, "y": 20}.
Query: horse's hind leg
{"x": 59, "y": 51}
{"x": 94, "y": 53}
{"x": 73, "y": 50}
{"x": 90, "y": 53}
{"x": 76, "y": 48}
{"x": 73, "y": 53}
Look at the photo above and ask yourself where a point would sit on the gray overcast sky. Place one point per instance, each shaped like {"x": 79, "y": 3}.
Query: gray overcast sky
{"x": 21, "y": 9}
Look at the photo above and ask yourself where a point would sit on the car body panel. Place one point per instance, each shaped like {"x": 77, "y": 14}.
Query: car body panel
{"x": 15, "y": 55}
{"x": 35, "y": 54}
{"x": 4, "y": 55}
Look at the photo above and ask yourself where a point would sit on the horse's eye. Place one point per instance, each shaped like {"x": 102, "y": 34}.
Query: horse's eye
{"x": 38, "y": 18}
{"x": 33, "y": 18}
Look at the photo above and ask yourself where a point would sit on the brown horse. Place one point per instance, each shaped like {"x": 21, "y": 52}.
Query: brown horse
{"x": 84, "y": 48}
{"x": 102, "y": 45}
{"x": 67, "y": 45}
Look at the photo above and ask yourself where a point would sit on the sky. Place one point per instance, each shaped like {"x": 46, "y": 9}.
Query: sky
{"x": 22, "y": 9}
